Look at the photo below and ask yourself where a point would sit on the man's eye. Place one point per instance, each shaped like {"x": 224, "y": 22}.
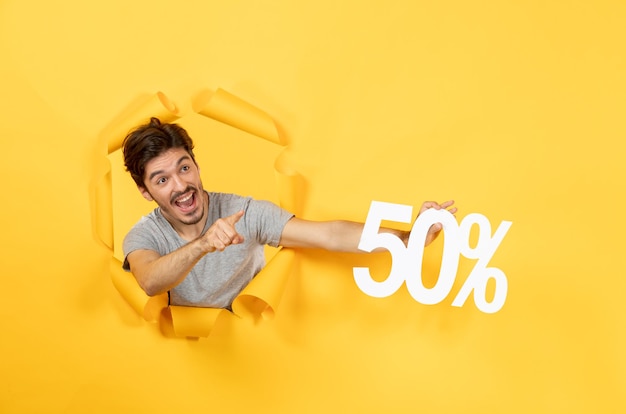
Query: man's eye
{"x": 161, "y": 180}
{"x": 185, "y": 168}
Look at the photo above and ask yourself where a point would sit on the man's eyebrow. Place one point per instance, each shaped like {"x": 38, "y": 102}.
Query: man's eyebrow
{"x": 180, "y": 161}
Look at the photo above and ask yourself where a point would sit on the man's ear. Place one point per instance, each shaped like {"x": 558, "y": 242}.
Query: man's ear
{"x": 145, "y": 193}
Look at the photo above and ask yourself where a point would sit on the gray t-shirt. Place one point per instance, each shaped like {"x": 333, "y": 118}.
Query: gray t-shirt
{"x": 218, "y": 277}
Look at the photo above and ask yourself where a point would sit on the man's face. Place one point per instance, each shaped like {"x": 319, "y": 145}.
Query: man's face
{"x": 173, "y": 181}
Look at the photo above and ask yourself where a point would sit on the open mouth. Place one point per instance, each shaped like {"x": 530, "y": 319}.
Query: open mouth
{"x": 186, "y": 202}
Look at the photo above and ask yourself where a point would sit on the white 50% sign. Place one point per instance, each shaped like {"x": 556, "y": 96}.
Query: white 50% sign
{"x": 406, "y": 264}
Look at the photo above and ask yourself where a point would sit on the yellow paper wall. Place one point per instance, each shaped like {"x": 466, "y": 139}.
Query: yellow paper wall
{"x": 514, "y": 109}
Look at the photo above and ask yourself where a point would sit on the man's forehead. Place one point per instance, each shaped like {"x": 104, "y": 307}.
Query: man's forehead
{"x": 167, "y": 159}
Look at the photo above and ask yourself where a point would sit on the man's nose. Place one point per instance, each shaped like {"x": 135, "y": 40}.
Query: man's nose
{"x": 179, "y": 183}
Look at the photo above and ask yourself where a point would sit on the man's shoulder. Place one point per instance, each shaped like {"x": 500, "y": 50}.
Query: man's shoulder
{"x": 219, "y": 197}
{"x": 152, "y": 231}
{"x": 225, "y": 204}
{"x": 149, "y": 220}
{"x": 150, "y": 225}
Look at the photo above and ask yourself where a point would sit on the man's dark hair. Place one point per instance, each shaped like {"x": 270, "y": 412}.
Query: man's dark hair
{"x": 149, "y": 141}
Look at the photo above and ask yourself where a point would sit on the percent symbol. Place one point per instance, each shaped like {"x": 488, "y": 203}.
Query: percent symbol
{"x": 480, "y": 274}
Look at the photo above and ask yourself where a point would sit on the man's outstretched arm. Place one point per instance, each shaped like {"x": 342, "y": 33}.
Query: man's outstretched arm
{"x": 344, "y": 236}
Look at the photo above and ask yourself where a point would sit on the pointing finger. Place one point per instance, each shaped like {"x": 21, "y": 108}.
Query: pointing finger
{"x": 234, "y": 218}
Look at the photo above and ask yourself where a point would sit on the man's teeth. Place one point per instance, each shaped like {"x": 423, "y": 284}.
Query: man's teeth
{"x": 185, "y": 199}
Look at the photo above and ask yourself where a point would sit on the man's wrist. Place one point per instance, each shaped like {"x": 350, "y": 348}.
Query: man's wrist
{"x": 203, "y": 245}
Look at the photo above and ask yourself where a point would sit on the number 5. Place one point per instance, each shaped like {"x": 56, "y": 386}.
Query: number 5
{"x": 372, "y": 239}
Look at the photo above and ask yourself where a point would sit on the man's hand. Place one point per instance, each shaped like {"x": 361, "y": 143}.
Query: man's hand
{"x": 222, "y": 233}
{"x": 436, "y": 228}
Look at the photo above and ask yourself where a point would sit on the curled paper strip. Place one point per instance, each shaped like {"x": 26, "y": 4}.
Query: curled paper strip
{"x": 148, "y": 307}
{"x": 103, "y": 205}
{"x": 229, "y": 109}
{"x": 262, "y": 296}
{"x": 290, "y": 184}
{"x": 157, "y": 105}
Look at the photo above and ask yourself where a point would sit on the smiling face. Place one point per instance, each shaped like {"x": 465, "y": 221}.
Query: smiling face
{"x": 172, "y": 180}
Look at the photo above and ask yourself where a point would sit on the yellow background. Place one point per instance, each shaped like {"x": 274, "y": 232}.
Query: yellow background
{"x": 513, "y": 108}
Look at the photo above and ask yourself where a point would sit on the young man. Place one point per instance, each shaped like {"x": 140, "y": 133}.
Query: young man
{"x": 204, "y": 247}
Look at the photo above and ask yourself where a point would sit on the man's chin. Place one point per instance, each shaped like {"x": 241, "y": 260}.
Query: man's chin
{"x": 192, "y": 221}
{"x": 186, "y": 218}
{"x": 193, "y": 217}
